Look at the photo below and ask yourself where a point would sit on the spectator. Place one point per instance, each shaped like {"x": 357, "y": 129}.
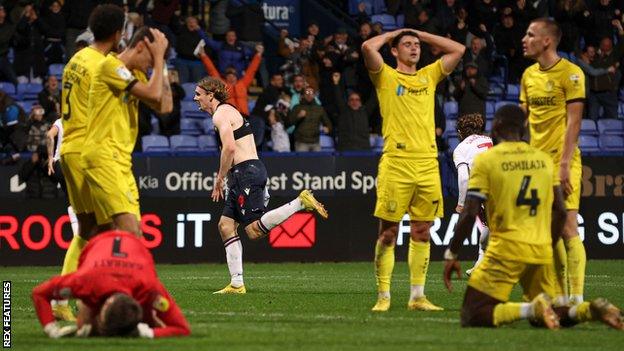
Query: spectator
{"x": 481, "y": 53}
{"x": 584, "y": 60}
{"x": 307, "y": 117}
{"x": 29, "y": 60}
{"x": 237, "y": 88}
{"x": 218, "y": 21}
{"x": 248, "y": 21}
{"x": 53, "y": 24}
{"x": 483, "y": 12}
{"x": 7, "y": 30}
{"x": 50, "y": 99}
{"x": 603, "y": 88}
{"x": 600, "y": 19}
{"x": 230, "y": 53}
{"x": 270, "y": 94}
{"x": 362, "y": 16}
{"x": 37, "y": 128}
{"x": 471, "y": 91}
{"x": 352, "y": 127}
{"x": 169, "y": 124}
{"x": 299, "y": 57}
{"x": 297, "y": 90}
{"x": 459, "y": 29}
{"x": 508, "y": 41}
{"x": 412, "y": 10}
{"x": 12, "y": 131}
{"x": 569, "y": 15}
{"x": 189, "y": 67}
{"x": 446, "y": 12}
{"x": 76, "y": 17}
{"x": 275, "y": 117}
{"x": 344, "y": 57}
{"x": 34, "y": 172}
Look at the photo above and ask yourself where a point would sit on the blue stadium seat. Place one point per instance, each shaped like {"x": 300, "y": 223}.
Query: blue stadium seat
{"x": 208, "y": 126}
{"x": 26, "y": 105}
{"x": 451, "y": 127}
{"x": 190, "y": 109}
{"x": 155, "y": 125}
{"x": 495, "y": 90}
{"x": 563, "y": 54}
{"x": 207, "y": 142}
{"x": 452, "y": 142}
{"x": 251, "y": 104}
{"x": 378, "y": 143}
{"x": 488, "y": 126}
{"x": 451, "y": 109}
{"x": 155, "y": 143}
{"x": 56, "y": 69}
{"x": 8, "y": 88}
{"x": 588, "y": 127}
{"x": 189, "y": 126}
{"x": 513, "y": 92}
{"x": 490, "y": 108}
{"x": 189, "y": 91}
{"x": 29, "y": 91}
{"x": 400, "y": 20}
{"x": 327, "y": 143}
{"x": 611, "y": 126}
{"x": 588, "y": 143}
{"x": 612, "y": 142}
{"x": 388, "y": 21}
{"x": 183, "y": 143}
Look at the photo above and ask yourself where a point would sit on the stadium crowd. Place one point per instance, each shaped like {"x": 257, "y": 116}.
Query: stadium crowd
{"x": 321, "y": 97}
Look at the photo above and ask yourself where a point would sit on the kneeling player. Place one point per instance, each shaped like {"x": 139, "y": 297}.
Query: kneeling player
{"x": 119, "y": 291}
{"x": 524, "y": 204}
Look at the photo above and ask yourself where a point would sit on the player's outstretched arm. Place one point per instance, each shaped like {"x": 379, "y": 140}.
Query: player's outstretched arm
{"x": 472, "y": 206}
{"x": 42, "y": 295}
{"x": 453, "y": 51}
{"x": 50, "y": 135}
{"x": 371, "y": 47}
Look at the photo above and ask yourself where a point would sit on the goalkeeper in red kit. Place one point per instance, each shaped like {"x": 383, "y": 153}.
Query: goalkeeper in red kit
{"x": 119, "y": 293}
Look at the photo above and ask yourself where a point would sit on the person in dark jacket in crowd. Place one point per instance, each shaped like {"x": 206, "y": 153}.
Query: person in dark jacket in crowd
{"x": 50, "y": 98}
{"x": 352, "y": 127}
{"x": 229, "y": 53}
{"x": 53, "y": 24}
{"x": 34, "y": 172}
{"x": 189, "y": 67}
{"x": 29, "y": 60}
{"x": 270, "y": 94}
{"x": 76, "y": 18}
{"x": 7, "y": 30}
{"x": 471, "y": 90}
{"x": 307, "y": 118}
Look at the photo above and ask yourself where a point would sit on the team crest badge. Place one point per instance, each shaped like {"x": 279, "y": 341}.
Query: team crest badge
{"x": 549, "y": 85}
{"x": 423, "y": 80}
{"x": 575, "y": 78}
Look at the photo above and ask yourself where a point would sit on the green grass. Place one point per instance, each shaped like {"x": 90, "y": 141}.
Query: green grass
{"x": 321, "y": 306}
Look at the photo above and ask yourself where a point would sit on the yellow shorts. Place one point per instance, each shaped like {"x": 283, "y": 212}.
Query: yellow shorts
{"x": 77, "y": 188}
{"x": 496, "y": 277}
{"x": 408, "y": 185}
{"x": 114, "y": 191}
{"x": 573, "y": 200}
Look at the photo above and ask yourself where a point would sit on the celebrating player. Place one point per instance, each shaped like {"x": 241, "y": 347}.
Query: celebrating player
{"x": 470, "y": 128}
{"x": 118, "y": 85}
{"x": 119, "y": 291}
{"x": 552, "y": 92}
{"x": 245, "y": 194}
{"x": 408, "y": 177}
{"x": 525, "y": 205}
{"x": 106, "y": 23}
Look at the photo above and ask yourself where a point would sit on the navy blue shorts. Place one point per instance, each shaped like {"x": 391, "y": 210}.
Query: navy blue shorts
{"x": 246, "y": 196}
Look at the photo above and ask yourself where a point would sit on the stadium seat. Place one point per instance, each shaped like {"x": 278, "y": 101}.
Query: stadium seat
{"x": 26, "y": 105}
{"x": 488, "y": 126}
{"x": 208, "y": 126}
{"x": 451, "y": 127}
{"x": 56, "y": 69}
{"x": 452, "y": 142}
{"x": 29, "y": 91}
{"x": 451, "y": 109}
{"x": 495, "y": 90}
{"x": 563, "y": 54}
{"x": 189, "y": 126}
{"x": 207, "y": 143}
{"x": 387, "y": 21}
{"x": 155, "y": 143}
{"x": 611, "y": 126}
{"x": 378, "y": 143}
{"x": 189, "y": 109}
{"x": 588, "y": 127}
{"x": 183, "y": 143}
{"x": 251, "y": 104}
{"x": 612, "y": 142}
{"x": 400, "y": 20}
{"x": 155, "y": 125}
{"x": 490, "y": 108}
{"x": 588, "y": 143}
{"x": 327, "y": 143}
{"x": 513, "y": 92}
{"x": 189, "y": 91}
{"x": 8, "y": 88}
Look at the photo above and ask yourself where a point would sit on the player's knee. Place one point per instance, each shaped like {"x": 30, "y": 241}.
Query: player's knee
{"x": 254, "y": 232}
{"x": 388, "y": 235}
{"x": 226, "y": 228}
{"x": 86, "y": 225}
{"x": 476, "y": 316}
{"x": 419, "y": 231}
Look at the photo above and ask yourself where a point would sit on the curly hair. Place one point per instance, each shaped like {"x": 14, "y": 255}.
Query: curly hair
{"x": 215, "y": 86}
{"x": 469, "y": 124}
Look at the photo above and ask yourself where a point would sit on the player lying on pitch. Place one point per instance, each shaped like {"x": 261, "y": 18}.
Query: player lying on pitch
{"x": 524, "y": 206}
{"x": 119, "y": 293}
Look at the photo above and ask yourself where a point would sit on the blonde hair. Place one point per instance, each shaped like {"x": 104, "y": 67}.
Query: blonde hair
{"x": 215, "y": 86}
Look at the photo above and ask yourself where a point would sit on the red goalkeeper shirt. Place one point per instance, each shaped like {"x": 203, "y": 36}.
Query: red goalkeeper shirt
{"x": 114, "y": 262}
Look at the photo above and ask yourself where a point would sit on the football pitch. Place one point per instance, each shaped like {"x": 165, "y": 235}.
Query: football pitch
{"x": 320, "y": 306}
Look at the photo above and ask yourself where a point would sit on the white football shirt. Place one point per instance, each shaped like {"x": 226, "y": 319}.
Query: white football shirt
{"x": 59, "y": 139}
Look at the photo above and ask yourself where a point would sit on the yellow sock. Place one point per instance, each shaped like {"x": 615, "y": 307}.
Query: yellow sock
{"x": 384, "y": 264}
{"x": 418, "y": 261}
{"x": 507, "y": 312}
{"x": 70, "y": 263}
{"x": 582, "y": 313}
{"x": 576, "y": 265}
{"x": 561, "y": 288}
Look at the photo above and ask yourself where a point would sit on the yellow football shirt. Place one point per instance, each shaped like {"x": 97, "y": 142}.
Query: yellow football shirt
{"x": 113, "y": 126}
{"x": 517, "y": 182}
{"x": 546, "y": 94}
{"x": 77, "y": 77}
{"x": 407, "y": 104}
